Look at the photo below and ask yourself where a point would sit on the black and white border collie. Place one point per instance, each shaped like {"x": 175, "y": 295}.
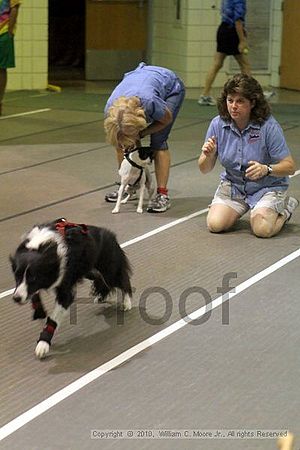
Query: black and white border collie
{"x": 58, "y": 255}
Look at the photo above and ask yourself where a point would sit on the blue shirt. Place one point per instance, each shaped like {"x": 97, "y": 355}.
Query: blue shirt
{"x": 263, "y": 143}
{"x": 152, "y": 85}
{"x": 233, "y": 10}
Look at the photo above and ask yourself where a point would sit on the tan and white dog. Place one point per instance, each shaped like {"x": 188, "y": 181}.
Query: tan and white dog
{"x": 135, "y": 175}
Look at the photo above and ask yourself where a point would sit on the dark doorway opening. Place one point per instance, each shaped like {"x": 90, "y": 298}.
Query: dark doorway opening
{"x": 66, "y": 57}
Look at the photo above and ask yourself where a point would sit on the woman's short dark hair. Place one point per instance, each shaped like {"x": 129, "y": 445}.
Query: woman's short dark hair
{"x": 249, "y": 88}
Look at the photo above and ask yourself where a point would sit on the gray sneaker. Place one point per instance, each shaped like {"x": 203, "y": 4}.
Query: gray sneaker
{"x": 290, "y": 207}
{"x": 206, "y": 100}
{"x": 160, "y": 204}
{"x": 112, "y": 197}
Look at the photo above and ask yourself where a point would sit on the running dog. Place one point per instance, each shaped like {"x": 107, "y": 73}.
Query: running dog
{"x": 135, "y": 175}
{"x": 60, "y": 254}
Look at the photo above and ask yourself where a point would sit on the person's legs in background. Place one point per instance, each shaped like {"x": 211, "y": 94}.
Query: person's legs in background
{"x": 244, "y": 63}
{"x": 7, "y": 60}
{"x": 3, "y": 81}
{"x": 205, "y": 98}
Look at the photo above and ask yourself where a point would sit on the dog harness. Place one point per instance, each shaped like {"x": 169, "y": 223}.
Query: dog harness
{"x": 134, "y": 164}
{"x": 62, "y": 226}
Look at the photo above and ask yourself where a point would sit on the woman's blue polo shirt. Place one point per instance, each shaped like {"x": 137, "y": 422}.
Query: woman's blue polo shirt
{"x": 264, "y": 143}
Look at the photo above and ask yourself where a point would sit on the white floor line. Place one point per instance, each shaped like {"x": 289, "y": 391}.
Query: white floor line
{"x": 6, "y": 293}
{"x": 295, "y": 174}
{"x": 164, "y": 227}
{"x": 25, "y": 113}
{"x": 83, "y": 381}
{"x": 141, "y": 238}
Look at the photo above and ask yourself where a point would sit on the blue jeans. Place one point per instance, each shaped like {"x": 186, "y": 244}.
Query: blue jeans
{"x": 158, "y": 141}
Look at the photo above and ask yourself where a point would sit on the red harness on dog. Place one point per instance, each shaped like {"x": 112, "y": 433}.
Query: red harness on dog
{"x": 62, "y": 226}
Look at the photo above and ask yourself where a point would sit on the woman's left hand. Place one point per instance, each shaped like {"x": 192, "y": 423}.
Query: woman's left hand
{"x": 256, "y": 170}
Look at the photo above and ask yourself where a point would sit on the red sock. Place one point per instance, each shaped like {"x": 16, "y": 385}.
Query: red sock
{"x": 162, "y": 190}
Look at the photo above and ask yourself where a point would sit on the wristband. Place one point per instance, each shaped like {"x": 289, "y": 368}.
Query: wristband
{"x": 270, "y": 170}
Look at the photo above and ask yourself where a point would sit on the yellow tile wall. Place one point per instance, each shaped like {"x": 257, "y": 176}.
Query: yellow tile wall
{"x": 31, "y": 47}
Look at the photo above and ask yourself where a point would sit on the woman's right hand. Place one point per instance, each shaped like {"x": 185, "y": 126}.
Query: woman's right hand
{"x": 210, "y": 146}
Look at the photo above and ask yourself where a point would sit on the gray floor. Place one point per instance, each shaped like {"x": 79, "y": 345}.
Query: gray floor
{"x": 211, "y": 376}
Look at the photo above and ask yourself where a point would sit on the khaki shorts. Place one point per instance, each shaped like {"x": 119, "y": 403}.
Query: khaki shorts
{"x": 275, "y": 200}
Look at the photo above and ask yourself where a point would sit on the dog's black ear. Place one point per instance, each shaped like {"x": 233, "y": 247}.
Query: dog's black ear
{"x": 13, "y": 263}
{"x": 48, "y": 248}
{"x": 145, "y": 152}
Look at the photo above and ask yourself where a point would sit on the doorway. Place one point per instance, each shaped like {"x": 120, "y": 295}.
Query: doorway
{"x": 97, "y": 40}
{"x": 290, "y": 61}
{"x": 66, "y": 42}
{"x": 117, "y": 35}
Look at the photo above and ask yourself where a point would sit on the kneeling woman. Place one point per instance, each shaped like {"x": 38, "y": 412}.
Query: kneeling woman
{"x": 250, "y": 145}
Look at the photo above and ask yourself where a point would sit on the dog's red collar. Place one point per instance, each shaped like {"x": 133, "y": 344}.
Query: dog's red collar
{"x": 62, "y": 225}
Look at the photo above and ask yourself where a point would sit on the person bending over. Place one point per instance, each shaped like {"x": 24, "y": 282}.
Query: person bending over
{"x": 146, "y": 102}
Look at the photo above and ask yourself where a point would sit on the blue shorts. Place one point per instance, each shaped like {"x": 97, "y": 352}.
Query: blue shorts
{"x": 158, "y": 141}
{"x": 228, "y": 40}
{"x": 7, "y": 53}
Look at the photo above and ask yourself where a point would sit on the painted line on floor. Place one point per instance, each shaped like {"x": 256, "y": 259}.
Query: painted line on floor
{"x": 142, "y": 237}
{"x": 25, "y": 113}
{"x": 164, "y": 227}
{"x": 6, "y": 293}
{"x": 83, "y": 381}
{"x": 295, "y": 174}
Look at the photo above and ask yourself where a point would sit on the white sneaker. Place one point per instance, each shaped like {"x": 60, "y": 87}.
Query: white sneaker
{"x": 206, "y": 100}
{"x": 290, "y": 207}
{"x": 269, "y": 94}
{"x": 159, "y": 204}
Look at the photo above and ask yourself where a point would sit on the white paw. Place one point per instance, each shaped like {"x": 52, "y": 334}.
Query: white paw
{"x": 126, "y": 306}
{"x": 115, "y": 210}
{"x": 42, "y": 349}
{"x": 139, "y": 210}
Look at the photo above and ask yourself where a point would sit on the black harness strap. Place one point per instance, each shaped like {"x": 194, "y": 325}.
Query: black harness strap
{"x": 133, "y": 164}
{"x": 62, "y": 225}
